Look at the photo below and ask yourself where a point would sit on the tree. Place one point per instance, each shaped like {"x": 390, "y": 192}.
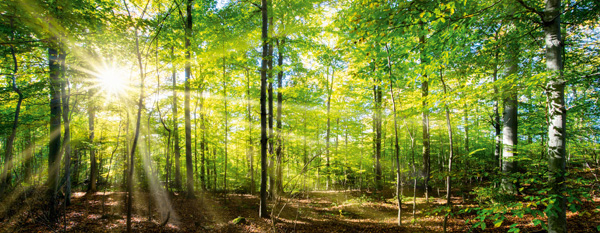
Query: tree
{"x": 555, "y": 91}
{"x": 329, "y": 92}
{"x": 263, "y": 112}
{"x": 188, "y": 125}
{"x": 279, "y": 151}
{"x": 396, "y": 145}
{"x": 426, "y": 145}
{"x": 176, "y": 148}
{"x": 65, "y": 96}
{"x": 450, "y": 155}
{"x": 55, "y": 125}
{"x": 6, "y": 178}
{"x": 93, "y": 161}
{"x": 509, "y": 122}
{"x": 140, "y": 106}
{"x": 377, "y": 120}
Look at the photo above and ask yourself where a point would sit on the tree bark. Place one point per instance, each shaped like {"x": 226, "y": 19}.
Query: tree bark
{"x": 250, "y": 149}
{"x": 55, "y": 134}
{"x": 226, "y": 128}
{"x": 6, "y": 179}
{"x": 509, "y": 121}
{"x": 203, "y": 146}
{"x": 93, "y": 164}
{"x": 557, "y": 221}
{"x": 329, "y": 92}
{"x": 425, "y": 116}
{"x": 496, "y": 119}
{"x": 270, "y": 102}
{"x": 450, "y": 157}
{"x": 279, "y": 151}
{"x": 263, "y": 111}
{"x": 67, "y": 137}
{"x": 377, "y": 93}
{"x": 137, "y": 129}
{"x": 396, "y": 146}
{"x": 176, "y": 148}
{"x": 188, "y": 126}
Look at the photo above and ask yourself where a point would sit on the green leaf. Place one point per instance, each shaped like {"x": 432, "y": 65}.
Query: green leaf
{"x": 498, "y": 222}
{"x": 516, "y": 230}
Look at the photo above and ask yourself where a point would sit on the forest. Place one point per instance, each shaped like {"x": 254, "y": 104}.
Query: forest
{"x": 300, "y": 116}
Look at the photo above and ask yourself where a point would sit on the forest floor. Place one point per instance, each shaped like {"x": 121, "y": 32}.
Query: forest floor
{"x": 317, "y": 211}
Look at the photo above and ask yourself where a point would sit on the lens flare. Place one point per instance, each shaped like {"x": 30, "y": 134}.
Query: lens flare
{"x": 112, "y": 81}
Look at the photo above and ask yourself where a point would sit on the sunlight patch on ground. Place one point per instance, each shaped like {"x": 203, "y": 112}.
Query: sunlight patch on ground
{"x": 77, "y": 194}
{"x": 93, "y": 216}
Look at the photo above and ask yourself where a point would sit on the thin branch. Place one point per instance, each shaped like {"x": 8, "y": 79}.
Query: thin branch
{"x": 533, "y": 10}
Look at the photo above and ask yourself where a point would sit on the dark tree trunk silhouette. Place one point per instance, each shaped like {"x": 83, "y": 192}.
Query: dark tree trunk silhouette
{"x": 250, "y": 149}
{"x": 377, "y": 93}
{"x": 188, "y": 126}
{"x": 55, "y": 128}
{"x": 263, "y": 112}
{"x": 270, "y": 111}
{"x": 279, "y": 151}
{"x": 328, "y": 132}
{"x": 137, "y": 127}
{"x": 426, "y": 144}
{"x": 6, "y": 178}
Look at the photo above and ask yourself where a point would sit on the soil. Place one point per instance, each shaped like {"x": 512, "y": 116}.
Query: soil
{"x": 317, "y": 211}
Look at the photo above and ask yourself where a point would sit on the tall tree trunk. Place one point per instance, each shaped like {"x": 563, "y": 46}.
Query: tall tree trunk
{"x": 226, "y": 128}
{"x": 304, "y": 155}
{"x": 131, "y": 158}
{"x": 377, "y": 93}
{"x": 127, "y": 150}
{"x": 270, "y": 90}
{"x": 137, "y": 130}
{"x": 450, "y": 156}
{"x": 93, "y": 164}
{"x": 168, "y": 163}
{"x": 466, "y": 122}
{"x": 557, "y": 221}
{"x": 196, "y": 174}
{"x": 509, "y": 121}
{"x": 425, "y": 116}
{"x": 6, "y": 179}
{"x": 279, "y": 152}
{"x": 396, "y": 146}
{"x": 176, "y": 148}
{"x": 250, "y": 149}
{"x": 188, "y": 126}
{"x": 54, "y": 143}
{"x": 203, "y": 146}
{"x": 263, "y": 111}
{"x": 29, "y": 156}
{"x": 496, "y": 120}
{"x": 329, "y": 92}
{"x": 214, "y": 169}
{"x": 67, "y": 137}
